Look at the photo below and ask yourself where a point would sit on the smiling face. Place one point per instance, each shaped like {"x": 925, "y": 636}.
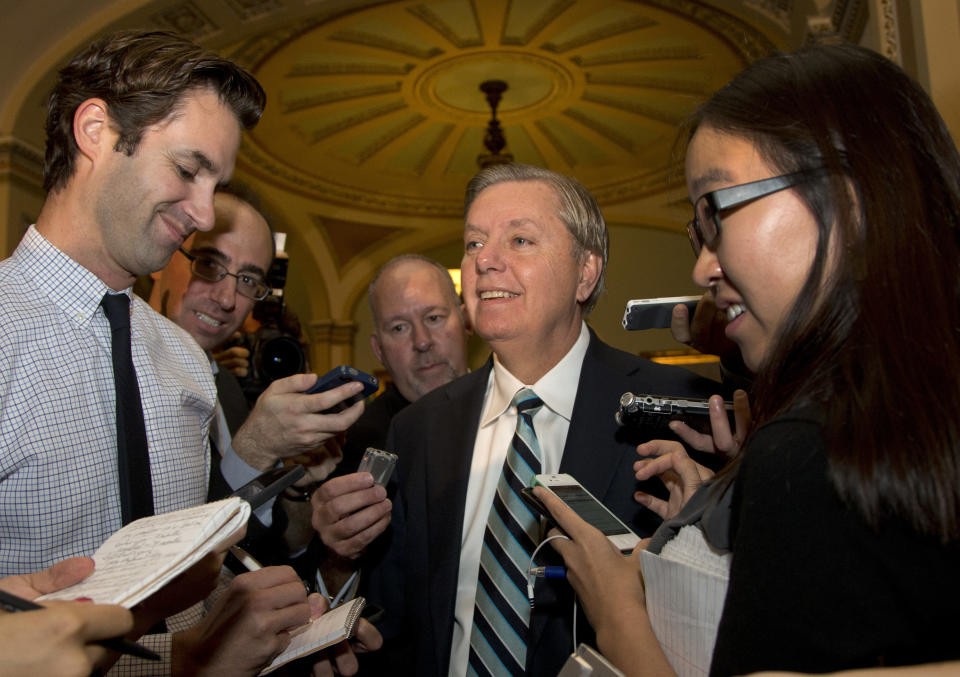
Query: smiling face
{"x": 212, "y": 311}
{"x": 147, "y": 204}
{"x": 522, "y": 281}
{"x": 765, "y": 250}
{"x": 419, "y": 334}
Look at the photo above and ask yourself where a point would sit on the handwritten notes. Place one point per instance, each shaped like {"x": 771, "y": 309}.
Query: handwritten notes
{"x": 147, "y": 554}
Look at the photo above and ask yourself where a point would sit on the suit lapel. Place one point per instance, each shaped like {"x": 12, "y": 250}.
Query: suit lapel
{"x": 593, "y": 420}
{"x": 448, "y": 459}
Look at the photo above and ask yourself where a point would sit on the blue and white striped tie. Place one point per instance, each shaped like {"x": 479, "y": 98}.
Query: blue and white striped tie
{"x": 501, "y": 615}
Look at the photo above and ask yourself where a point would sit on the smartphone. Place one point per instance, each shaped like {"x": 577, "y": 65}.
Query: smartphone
{"x": 538, "y": 508}
{"x": 655, "y": 313}
{"x": 659, "y": 410}
{"x": 267, "y": 485}
{"x": 571, "y": 492}
{"x": 378, "y": 463}
{"x": 337, "y": 377}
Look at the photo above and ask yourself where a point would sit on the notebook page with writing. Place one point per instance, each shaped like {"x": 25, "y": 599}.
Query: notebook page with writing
{"x": 334, "y": 626}
{"x": 685, "y": 590}
{"x": 147, "y": 554}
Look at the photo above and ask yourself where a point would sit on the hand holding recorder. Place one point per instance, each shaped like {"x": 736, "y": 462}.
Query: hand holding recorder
{"x": 352, "y": 510}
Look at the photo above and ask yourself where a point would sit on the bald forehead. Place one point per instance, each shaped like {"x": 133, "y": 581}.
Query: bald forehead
{"x": 401, "y": 272}
{"x": 241, "y": 224}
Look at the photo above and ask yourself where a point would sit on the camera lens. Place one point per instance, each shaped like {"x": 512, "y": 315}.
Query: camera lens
{"x": 281, "y": 357}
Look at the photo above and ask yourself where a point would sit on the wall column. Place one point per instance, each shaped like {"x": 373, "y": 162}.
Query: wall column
{"x": 331, "y": 343}
{"x": 21, "y": 190}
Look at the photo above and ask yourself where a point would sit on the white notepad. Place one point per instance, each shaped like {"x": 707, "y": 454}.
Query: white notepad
{"x": 334, "y": 626}
{"x": 145, "y": 555}
{"x": 685, "y": 589}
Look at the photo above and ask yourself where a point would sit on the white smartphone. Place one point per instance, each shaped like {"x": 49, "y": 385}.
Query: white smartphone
{"x": 582, "y": 502}
{"x": 655, "y": 313}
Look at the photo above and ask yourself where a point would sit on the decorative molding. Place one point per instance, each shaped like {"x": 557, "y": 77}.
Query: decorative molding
{"x": 777, "y": 11}
{"x": 355, "y": 68}
{"x": 371, "y": 113}
{"x": 600, "y": 128}
{"x": 21, "y": 161}
{"x": 890, "y": 31}
{"x": 429, "y": 17}
{"x": 431, "y": 150}
{"x": 544, "y": 19}
{"x": 248, "y": 10}
{"x": 388, "y": 137}
{"x": 635, "y": 107}
{"x": 665, "y": 53}
{"x": 608, "y": 31}
{"x": 383, "y": 42}
{"x": 188, "y": 20}
{"x": 332, "y": 332}
{"x": 746, "y": 40}
{"x": 662, "y": 82}
{"x": 555, "y": 141}
{"x": 302, "y": 102}
{"x": 845, "y": 23}
{"x": 266, "y": 168}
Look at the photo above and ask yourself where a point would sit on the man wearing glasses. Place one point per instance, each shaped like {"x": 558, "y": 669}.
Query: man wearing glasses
{"x": 209, "y": 288}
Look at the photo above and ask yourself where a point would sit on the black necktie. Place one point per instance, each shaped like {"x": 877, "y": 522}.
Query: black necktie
{"x": 133, "y": 460}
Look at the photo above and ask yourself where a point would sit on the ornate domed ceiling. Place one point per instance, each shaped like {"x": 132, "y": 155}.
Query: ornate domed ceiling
{"x": 380, "y": 108}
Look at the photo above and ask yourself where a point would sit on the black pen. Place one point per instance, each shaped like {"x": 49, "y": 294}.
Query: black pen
{"x": 12, "y": 603}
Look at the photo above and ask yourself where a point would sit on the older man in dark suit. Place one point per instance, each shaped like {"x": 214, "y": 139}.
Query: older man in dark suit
{"x": 454, "y": 581}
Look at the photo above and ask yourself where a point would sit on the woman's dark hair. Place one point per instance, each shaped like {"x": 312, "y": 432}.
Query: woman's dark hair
{"x": 879, "y": 355}
{"x": 142, "y": 77}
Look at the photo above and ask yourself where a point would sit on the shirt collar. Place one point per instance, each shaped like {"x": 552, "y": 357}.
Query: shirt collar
{"x": 74, "y": 289}
{"x": 554, "y": 387}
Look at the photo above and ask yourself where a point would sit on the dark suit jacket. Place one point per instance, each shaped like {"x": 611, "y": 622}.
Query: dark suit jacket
{"x": 434, "y": 437}
{"x": 370, "y": 430}
{"x": 264, "y": 543}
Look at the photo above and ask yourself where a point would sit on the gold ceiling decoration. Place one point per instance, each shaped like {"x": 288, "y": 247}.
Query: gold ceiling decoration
{"x": 377, "y": 108}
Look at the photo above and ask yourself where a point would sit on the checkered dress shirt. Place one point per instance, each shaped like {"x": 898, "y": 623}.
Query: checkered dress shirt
{"x": 58, "y": 446}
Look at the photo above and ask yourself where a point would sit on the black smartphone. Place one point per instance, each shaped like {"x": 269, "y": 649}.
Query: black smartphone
{"x": 659, "y": 410}
{"x": 655, "y": 313}
{"x": 339, "y": 376}
{"x": 267, "y": 485}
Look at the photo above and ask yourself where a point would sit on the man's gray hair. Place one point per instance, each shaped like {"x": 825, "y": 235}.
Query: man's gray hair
{"x": 405, "y": 258}
{"x": 577, "y": 209}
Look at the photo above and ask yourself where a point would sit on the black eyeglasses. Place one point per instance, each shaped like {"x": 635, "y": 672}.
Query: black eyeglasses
{"x": 704, "y": 227}
{"x": 209, "y": 269}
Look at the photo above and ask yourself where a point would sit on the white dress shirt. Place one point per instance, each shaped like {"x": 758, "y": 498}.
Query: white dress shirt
{"x": 498, "y": 422}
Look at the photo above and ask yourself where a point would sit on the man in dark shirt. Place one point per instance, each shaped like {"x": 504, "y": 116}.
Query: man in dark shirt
{"x": 419, "y": 335}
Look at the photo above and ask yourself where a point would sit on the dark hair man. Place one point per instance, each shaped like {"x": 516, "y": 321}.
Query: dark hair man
{"x": 142, "y": 128}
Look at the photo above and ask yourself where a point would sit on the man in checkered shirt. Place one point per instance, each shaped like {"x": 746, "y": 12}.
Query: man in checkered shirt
{"x": 141, "y": 130}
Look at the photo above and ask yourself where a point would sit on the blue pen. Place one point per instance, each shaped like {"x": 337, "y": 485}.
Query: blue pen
{"x": 548, "y": 572}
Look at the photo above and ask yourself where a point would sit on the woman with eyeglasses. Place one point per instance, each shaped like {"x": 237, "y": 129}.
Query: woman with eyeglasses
{"x": 826, "y": 196}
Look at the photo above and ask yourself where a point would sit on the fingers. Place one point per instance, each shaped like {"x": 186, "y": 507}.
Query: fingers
{"x": 571, "y": 523}
{"x": 102, "y": 621}
{"x": 741, "y": 414}
{"x": 349, "y": 512}
{"x": 653, "y": 503}
{"x": 62, "y": 574}
{"x": 694, "y": 438}
{"x": 723, "y": 437}
{"x": 680, "y": 324}
{"x": 368, "y": 638}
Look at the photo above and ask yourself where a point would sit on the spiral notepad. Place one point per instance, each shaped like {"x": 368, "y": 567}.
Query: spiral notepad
{"x": 334, "y": 626}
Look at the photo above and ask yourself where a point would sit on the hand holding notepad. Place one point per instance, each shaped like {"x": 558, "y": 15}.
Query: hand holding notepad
{"x": 145, "y": 555}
